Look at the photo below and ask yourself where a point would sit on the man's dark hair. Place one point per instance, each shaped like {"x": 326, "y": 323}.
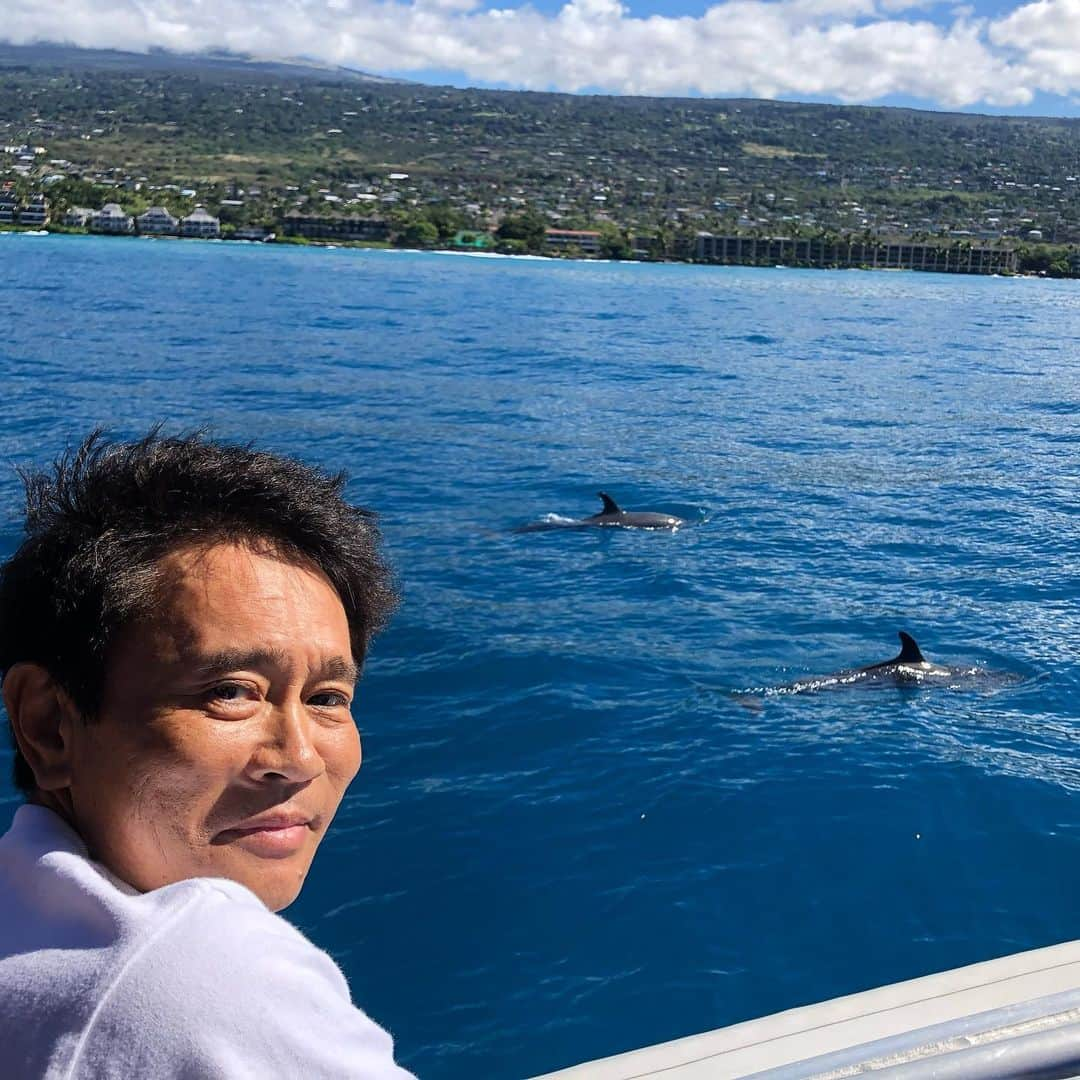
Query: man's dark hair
{"x": 98, "y": 524}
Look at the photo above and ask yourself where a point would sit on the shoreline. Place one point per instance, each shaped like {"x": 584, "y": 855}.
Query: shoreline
{"x": 361, "y": 245}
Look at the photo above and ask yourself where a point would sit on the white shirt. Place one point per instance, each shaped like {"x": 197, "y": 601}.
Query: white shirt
{"x": 194, "y": 980}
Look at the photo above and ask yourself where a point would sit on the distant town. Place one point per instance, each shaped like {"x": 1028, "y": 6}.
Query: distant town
{"x": 284, "y": 158}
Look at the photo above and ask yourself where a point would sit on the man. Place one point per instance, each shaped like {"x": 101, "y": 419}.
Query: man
{"x": 180, "y": 635}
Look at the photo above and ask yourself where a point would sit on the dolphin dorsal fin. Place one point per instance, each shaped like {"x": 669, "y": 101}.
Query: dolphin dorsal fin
{"x": 910, "y": 653}
{"x": 610, "y": 505}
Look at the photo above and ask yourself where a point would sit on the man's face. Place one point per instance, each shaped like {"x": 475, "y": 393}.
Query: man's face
{"x": 224, "y": 742}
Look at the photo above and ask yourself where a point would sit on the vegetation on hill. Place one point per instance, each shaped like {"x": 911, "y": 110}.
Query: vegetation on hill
{"x": 255, "y": 143}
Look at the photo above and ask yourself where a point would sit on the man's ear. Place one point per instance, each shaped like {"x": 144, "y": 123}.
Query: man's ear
{"x": 42, "y": 718}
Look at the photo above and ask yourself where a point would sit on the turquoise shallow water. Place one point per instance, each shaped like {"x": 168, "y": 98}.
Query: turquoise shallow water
{"x": 569, "y": 838}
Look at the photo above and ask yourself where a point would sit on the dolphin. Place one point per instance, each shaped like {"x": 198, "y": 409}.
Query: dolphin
{"x": 612, "y": 516}
{"x": 909, "y": 664}
{"x": 908, "y": 668}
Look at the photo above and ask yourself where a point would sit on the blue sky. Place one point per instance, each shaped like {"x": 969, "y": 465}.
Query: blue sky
{"x": 992, "y": 56}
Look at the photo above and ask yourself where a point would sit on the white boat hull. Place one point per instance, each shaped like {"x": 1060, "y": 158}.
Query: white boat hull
{"x": 1018, "y": 1016}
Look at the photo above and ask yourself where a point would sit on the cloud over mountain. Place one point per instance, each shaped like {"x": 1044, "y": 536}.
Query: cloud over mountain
{"x": 852, "y": 50}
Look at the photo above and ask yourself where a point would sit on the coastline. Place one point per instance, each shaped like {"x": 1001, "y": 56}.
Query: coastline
{"x": 362, "y": 245}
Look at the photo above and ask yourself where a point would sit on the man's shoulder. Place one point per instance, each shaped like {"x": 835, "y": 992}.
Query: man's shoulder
{"x": 223, "y": 985}
{"x": 214, "y": 926}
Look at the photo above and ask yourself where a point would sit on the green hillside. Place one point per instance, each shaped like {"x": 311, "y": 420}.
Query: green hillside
{"x": 296, "y": 135}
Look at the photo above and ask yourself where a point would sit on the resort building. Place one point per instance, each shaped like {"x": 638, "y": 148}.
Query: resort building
{"x": 112, "y": 218}
{"x": 200, "y": 223}
{"x": 35, "y": 213}
{"x": 961, "y": 258}
{"x": 646, "y": 246}
{"x": 254, "y": 232}
{"x": 583, "y": 240}
{"x": 157, "y": 221}
{"x": 9, "y": 207}
{"x": 335, "y": 228}
{"x": 78, "y": 217}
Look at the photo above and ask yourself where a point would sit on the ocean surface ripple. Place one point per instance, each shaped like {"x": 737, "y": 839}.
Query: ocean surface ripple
{"x": 571, "y": 836}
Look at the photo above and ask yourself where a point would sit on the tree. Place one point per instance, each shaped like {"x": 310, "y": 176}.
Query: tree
{"x": 419, "y": 233}
{"x": 1044, "y": 259}
{"x": 613, "y": 242}
{"x": 446, "y": 219}
{"x": 528, "y": 227}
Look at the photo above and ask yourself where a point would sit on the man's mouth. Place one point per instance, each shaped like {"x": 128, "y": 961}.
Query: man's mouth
{"x": 273, "y": 835}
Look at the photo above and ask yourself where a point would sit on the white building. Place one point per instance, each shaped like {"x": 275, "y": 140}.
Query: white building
{"x": 157, "y": 221}
{"x": 253, "y": 232}
{"x": 112, "y": 218}
{"x": 35, "y": 213}
{"x": 200, "y": 223}
{"x": 584, "y": 240}
{"x": 78, "y": 216}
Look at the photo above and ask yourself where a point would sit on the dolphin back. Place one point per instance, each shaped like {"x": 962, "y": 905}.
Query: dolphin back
{"x": 910, "y": 653}
{"x": 613, "y": 514}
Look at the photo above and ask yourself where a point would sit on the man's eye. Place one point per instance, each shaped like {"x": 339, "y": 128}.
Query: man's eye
{"x": 329, "y": 699}
{"x": 228, "y": 692}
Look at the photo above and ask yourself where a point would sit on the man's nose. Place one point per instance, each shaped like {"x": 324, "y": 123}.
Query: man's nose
{"x": 286, "y": 748}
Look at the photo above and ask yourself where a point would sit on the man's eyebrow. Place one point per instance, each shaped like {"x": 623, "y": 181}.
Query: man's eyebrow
{"x": 220, "y": 663}
{"x": 340, "y": 667}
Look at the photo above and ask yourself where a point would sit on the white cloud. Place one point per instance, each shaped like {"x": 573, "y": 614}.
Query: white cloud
{"x": 1045, "y": 38}
{"x": 854, "y": 50}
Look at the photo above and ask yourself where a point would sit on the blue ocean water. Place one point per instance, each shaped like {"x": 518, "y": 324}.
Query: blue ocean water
{"x": 570, "y": 838}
